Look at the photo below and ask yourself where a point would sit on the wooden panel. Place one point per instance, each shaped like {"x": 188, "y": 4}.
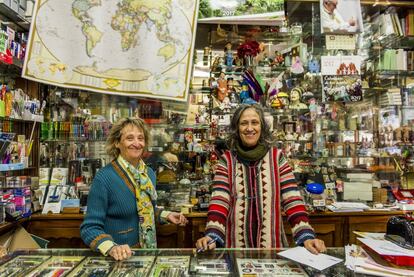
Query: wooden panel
{"x": 167, "y": 236}
{"x": 328, "y": 229}
{"x": 376, "y": 224}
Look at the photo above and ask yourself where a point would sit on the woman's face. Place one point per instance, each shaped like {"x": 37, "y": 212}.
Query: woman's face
{"x": 294, "y": 96}
{"x": 249, "y": 127}
{"x": 131, "y": 144}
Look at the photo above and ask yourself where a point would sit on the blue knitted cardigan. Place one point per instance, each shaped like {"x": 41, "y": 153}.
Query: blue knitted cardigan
{"x": 112, "y": 209}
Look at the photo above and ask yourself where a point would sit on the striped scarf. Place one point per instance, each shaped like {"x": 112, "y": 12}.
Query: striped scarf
{"x": 145, "y": 194}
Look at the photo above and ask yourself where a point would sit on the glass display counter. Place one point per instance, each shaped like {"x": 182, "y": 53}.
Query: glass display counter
{"x": 161, "y": 262}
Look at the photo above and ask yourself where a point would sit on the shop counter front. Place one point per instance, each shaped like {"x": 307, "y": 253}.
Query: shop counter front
{"x": 336, "y": 229}
{"x": 162, "y": 262}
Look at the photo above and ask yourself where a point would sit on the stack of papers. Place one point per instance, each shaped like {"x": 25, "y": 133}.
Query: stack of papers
{"x": 386, "y": 248}
{"x": 347, "y": 207}
{"x": 301, "y": 255}
{"x": 358, "y": 260}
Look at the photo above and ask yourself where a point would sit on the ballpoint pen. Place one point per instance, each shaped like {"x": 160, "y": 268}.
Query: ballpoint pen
{"x": 199, "y": 250}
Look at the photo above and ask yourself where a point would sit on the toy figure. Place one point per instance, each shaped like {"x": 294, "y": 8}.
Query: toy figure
{"x": 228, "y": 54}
{"x": 296, "y": 67}
{"x": 295, "y": 96}
{"x": 278, "y": 60}
{"x": 189, "y": 140}
{"x": 284, "y": 98}
{"x": 313, "y": 66}
{"x": 222, "y": 87}
{"x": 245, "y": 95}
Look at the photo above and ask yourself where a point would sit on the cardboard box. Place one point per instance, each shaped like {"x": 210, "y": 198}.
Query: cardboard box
{"x": 16, "y": 239}
{"x": 380, "y": 195}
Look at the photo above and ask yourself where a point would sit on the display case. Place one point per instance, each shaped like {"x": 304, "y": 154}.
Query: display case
{"x": 163, "y": 262}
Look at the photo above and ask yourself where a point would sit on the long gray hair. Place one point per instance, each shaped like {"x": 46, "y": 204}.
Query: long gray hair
{"x": 116, "y": 133}
{"x": 233, "y": 138}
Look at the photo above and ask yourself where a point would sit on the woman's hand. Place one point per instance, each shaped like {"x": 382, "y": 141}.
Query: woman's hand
{"x": 315, "y": 246}
{"x": 203, "y": 243}
{"x": 177, "y": 218}
{"x": 120, "y": 252}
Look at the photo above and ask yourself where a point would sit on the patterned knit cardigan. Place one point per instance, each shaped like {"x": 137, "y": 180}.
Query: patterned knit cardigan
{"x": 112, "y": 208}
{"x": 232, "y": 214}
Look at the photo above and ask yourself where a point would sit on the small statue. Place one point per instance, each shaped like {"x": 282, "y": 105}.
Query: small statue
{"x": 228, "y": 54}
{"x": 222, "y": 87}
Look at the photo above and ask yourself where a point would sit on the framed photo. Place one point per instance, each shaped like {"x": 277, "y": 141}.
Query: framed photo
{"x": 341, "y": 16}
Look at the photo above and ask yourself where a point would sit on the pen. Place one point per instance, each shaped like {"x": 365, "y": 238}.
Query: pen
{"x": 199, "y": 250}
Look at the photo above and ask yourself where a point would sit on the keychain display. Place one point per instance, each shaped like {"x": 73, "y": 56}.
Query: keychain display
{"x": 213, "y": 267}
{"x": 56, "y": 266}
{"x": 21, "y": 265}
{"x": 269, "y": 267}
{"x": 174, "y": 266}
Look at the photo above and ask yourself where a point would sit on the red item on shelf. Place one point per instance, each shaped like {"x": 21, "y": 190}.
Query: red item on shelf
{"x": 406, "y": 195}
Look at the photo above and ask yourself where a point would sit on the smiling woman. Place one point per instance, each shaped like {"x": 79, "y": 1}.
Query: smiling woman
{"x": 122, "y": 207}
{"x": 253, "y": 184}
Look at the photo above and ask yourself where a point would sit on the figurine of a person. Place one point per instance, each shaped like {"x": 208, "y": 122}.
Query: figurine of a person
{"x": 222, "y": 87}
{"x": 295, "y": 96}
{"x": 228, "y": 54}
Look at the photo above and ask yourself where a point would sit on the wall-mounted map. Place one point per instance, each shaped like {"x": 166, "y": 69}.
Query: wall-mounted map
{"x": 136, "y": 48}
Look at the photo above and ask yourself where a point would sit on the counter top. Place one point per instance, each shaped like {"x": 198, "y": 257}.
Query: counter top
{"x": 76, "y": 262}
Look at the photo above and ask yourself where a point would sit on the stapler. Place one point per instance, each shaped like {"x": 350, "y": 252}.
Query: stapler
{"x": 400, "y": 230}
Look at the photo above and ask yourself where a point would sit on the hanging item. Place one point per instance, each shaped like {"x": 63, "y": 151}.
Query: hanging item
{"x": 150, "y": 56}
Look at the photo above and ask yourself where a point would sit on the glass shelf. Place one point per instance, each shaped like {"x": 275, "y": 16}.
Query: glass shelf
{"x": 231, "y": 257}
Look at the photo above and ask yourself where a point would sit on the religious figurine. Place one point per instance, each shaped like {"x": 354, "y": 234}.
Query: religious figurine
{"x": 222, "y": 87}
{"x": 228, "y": 55}
{"x": 245, "y": 95}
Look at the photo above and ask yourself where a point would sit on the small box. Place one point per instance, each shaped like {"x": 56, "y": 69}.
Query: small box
{"x": 380, "y": 195}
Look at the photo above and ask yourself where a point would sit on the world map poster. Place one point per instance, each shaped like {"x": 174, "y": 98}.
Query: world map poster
{"x": 124, "y": 47}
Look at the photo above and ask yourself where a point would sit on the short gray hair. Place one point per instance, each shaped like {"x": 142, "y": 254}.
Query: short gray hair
{"x": 266, "y": 136}
{"x": 116, "y": 133}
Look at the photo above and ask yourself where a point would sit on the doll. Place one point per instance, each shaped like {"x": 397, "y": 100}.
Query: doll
{"x": 228, "y": 54}
{"x": 295, "y": 96}
{"x": 222, "y": 87}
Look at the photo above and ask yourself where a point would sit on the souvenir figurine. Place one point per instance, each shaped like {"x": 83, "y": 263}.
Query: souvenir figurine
{"x": 228, "y": 54}
{"x": 295, "y": 97}
{"x": 296, "y": 67}
{"x": 245, "y": 95}
{"x": 284, "y": 99}
{"x": 222, "y": 87}
{"x": 206, "y": 54}
{"x": 278, "y": 60}
{"x": 313, "y": 66}
{"x": 189, "y": 140}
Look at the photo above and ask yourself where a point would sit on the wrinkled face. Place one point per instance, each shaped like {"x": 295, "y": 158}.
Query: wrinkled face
{"x": 131, "y": 144}
{"x": 249, "y": 127}
{"x": 294, "y": 96}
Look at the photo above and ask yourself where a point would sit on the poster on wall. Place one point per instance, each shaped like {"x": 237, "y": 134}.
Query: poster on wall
{"x": 342, "y": 88}
{"x": 341, "y": 65}
{"x": 250, "y": 12}
{"x": 104, "y": 47}
{"x": 341, "y": 80}
{"x": 341, "y": 16}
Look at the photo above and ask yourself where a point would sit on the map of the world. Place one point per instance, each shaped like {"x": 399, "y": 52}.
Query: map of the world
{"x": 126, "y": 47}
